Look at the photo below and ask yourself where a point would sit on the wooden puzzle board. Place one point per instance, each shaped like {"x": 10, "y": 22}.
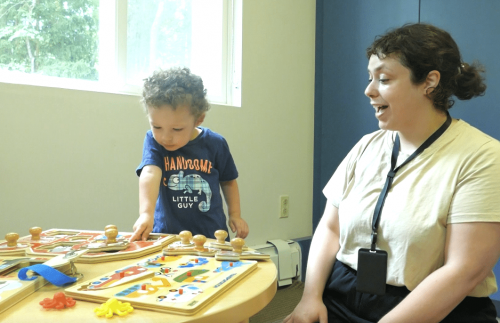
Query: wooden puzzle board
{"x": 202, "y": 279}
{"x": 19, "y": 250}
{"x": 13, "y": 290}
{"x": 54, "y": 242}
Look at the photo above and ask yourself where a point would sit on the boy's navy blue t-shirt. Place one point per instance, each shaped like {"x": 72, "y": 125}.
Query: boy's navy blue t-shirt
{"x": 190, "y": 195}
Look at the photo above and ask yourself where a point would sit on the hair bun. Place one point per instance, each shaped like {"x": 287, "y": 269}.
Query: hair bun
{"x": 470, "y": 82}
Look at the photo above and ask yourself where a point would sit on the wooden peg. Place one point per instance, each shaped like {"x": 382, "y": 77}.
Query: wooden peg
{"x": 35, "y": 233}
{"x": 221, "y": 236}
{"x": 110, "y": 226}
{"x": 12, "y": 239}
{"x": 185, "y": 237}
{"x": 237, "y": 244}
{"x": 111, "y": 234}
{"x": 199, "y": 240}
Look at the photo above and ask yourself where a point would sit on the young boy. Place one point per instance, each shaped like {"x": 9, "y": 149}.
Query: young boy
{"x": 184, "y": 166}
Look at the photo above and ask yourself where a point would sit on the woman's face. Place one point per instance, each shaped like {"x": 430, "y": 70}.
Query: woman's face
{"x": 396, "y": 100}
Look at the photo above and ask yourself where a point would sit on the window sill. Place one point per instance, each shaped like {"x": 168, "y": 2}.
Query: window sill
{"x": 79, "y": 85}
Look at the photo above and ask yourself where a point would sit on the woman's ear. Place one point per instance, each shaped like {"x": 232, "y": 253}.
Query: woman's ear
{"x": 432, "y": 81}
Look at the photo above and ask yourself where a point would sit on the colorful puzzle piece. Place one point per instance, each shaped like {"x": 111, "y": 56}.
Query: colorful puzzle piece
{"x": 113, "y": 306}
{"x": 229, "y": 265}
{"x": 185, "y": 293}
{"x": 119, "y": 277}
{"x": 59, "y": 301}
{"x": 144, "y": 289}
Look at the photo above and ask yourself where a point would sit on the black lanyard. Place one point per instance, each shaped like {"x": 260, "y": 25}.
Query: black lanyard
{"x": 393, "y": 171}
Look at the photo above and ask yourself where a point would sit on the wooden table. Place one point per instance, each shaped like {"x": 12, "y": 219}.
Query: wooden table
{"x": 237, "y": 304}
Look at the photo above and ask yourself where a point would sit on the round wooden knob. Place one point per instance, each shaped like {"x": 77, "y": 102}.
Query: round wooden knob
{"x": 237, "y": 244}
{"x": 185, "y": 237}
{"x": 111, "y": 234}
{"x": 221, "y": 236}
{"x": 11, "y": 239}
{"x": 110, "y": 226}
{"x": 199, "y": 240}
{"x": 35, "y": 233}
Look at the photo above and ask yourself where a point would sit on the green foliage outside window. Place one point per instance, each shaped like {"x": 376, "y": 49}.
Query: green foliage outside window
{"x": 50, "y": 37}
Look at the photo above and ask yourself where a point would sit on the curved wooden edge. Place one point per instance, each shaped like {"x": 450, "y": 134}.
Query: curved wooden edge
{"x": 244, "y": 306}
{"x": 246, "y": 298}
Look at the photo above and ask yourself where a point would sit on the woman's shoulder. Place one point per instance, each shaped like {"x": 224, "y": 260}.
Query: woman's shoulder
{"x": 473, "y": 136}
{"x": 377, "y": 139}
{"x": 377, "y": 135}
{"x": 376, "y": 142}
{"x": 475, "y": 143}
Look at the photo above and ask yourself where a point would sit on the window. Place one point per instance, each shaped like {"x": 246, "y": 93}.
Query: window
{"x": 106, "y": 45}
{"x": 49, "y": 38}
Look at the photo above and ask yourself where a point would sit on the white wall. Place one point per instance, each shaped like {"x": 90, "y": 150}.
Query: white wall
{"x": 68, "y": 158}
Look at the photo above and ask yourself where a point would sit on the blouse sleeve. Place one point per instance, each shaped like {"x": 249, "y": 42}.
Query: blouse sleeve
{"x": 344, "y": 174}
{"x": 477, "y": 194}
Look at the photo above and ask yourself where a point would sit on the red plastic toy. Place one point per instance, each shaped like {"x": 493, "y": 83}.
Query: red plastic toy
{"x": 59, "y": 301}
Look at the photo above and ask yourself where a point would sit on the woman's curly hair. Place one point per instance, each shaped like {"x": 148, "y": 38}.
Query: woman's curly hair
{"x": 423, "y": 48}
{"x": 175, "y": 86}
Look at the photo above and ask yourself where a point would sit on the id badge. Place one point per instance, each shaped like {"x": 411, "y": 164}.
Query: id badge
{"x": 372, "y": 271}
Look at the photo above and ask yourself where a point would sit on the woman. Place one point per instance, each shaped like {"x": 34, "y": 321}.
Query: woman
{"x": 411, "y": 229}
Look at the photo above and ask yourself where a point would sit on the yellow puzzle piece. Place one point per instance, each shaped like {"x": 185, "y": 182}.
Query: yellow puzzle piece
{"x": 113, "y": 306}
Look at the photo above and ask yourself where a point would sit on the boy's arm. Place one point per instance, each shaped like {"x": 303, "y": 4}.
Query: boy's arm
{"x": 149, "y": 187}
{"x": 232, "y": 197}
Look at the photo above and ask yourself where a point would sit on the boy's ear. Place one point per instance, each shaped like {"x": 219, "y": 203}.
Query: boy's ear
{"x": 432, "y": 81}
{"x": 200, "y": 120}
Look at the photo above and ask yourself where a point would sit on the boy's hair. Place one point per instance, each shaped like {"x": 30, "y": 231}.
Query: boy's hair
{"x": 175, "y": 86}
{"x": 423, "y": 48}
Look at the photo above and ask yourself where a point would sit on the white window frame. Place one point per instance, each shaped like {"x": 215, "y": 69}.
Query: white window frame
{"x": 113, "y": 57}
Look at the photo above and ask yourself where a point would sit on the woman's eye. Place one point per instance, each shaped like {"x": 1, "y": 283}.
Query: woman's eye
{"x": 383, "y": 81}
{"x": 370, "y": 80}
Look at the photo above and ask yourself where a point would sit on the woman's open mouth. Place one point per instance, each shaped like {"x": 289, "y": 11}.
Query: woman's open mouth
{"x": 382, "y": 107}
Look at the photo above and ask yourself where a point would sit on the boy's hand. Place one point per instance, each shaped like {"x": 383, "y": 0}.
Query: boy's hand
{"x": 142, "y": 227}
{"x": 240, "y": 226}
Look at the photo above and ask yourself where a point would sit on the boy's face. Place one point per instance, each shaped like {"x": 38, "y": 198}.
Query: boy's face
{"x": 173, "y": 129}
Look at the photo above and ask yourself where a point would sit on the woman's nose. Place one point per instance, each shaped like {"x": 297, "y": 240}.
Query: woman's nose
{"x": 370, "y": 90}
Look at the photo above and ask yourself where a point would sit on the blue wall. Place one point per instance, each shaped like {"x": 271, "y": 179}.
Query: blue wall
{"x": 475, "y": 26}
{"x": 343, "y": 113}
{"x": 344, "y": 30}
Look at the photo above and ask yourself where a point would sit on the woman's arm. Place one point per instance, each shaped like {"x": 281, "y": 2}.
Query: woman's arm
{"x": 471, "y": 251}
{"x": 322, "y": 253}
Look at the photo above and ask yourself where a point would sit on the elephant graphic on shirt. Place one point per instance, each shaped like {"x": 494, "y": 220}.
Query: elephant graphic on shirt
{"x": 190, "y": 183}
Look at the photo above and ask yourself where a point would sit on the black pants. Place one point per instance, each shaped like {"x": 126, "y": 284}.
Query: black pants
{"x": 345, "y": 304}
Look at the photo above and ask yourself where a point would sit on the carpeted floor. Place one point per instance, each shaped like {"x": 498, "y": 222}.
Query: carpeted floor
{"x": 283, "y": 303}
